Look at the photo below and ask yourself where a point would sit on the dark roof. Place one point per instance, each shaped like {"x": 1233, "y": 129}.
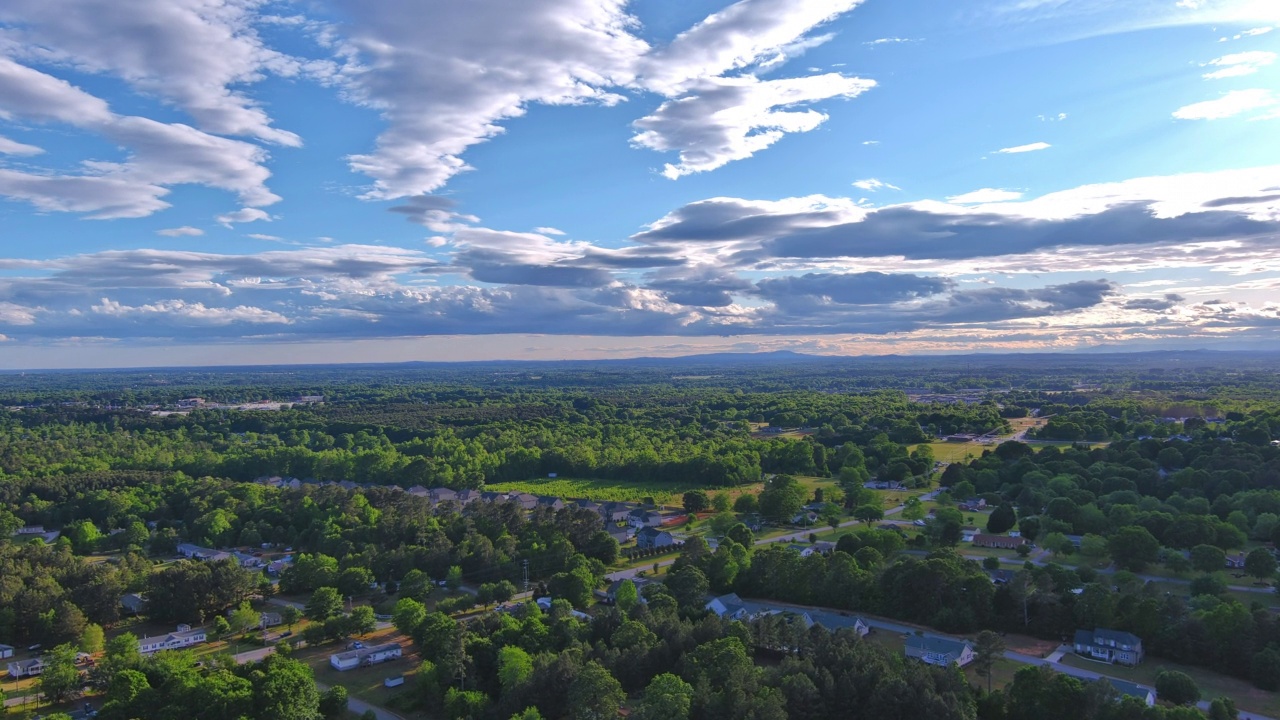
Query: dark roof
{"x": 1125, "y": 687}
{"x": 1118, "y": 635}
{"x": 938, "y": 645}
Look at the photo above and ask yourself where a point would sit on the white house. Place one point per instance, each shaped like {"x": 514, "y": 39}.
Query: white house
{"x": 940, "y": 651}
{"x": 364, "y": 657}
{"x": 185, "y": 636}
{"x": 6, "y": 651}
{"x": 195, "y": 552}
{"x": 26, "y": 668}
{"x": 729, "y": 607}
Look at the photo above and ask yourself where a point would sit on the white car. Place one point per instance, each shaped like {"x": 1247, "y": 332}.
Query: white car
{"x": 919, "y": 523}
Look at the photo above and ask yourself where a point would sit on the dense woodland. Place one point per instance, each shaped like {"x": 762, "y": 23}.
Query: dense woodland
{"x": 1189, "y": 474}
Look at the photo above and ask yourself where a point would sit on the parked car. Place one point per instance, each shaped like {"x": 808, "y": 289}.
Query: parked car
{"x": 286, "y": 633}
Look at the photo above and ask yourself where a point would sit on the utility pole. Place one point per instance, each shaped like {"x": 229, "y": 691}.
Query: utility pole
{"x": 526, "y": 574}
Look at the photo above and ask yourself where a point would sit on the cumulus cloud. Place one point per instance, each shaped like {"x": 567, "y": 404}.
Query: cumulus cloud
{"x": 725, "y": 119}
{"x": 1231, "y": 104}
{"x": 13, "y": 147}
{"x": 873, "y": 184}
{"x": 890, "y": 41}
{"x": 548, "y": 231}
{"x": 162, "y": 154}
{"x": 1029, "y": 147}
{"x": 1251, "y": 32}
{"x": 243, "y": 215}
{"x": 184, "y": 231}
{"x": 182, "y": 311}
{"x": 985, "y": 195}
{"x": 1239, "y": 64}
{"x": 435, "y": 213}
{"x": 189, "y": 52}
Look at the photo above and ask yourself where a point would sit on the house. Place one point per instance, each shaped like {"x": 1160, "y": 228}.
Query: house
{"x": 184, "y": 636}
{"x": 826, "y": 547}
{"x": 31, "y": 532}
{"x": 552, "y": 503}
{"x": 419, "y": 491}
{"x": 133, "y": 603}
{"x": 641, "y": 518}
{"x": 654, "y": 538}
{"x": 1001, "y": 576}
{"x": 616, "y": 512}
{"x": 805, "y": 517}
{"x": 493, "y": 496}
{"x": 1124, "y": 687}
{"x": 527, "y": 501}
{"x": 248, "y": 561}
{"x": 391, "y": 682}
{"x": 940, "y": 651}
{"x": 586, "y": 504}
{"x": 621, "y": 533}
{"x": 270, "y": 619}
{"x": 278, "y": 566}
{"x": 439, "y": 495}
{"x": 609, "y": 595}
{"x": 838, "y": 621}
{"x": 365, "y": 656}
{"x": 1236, "y": 562}
{"x": 1003, "y": 542}
{"x": 1112, "y": 646}
{"x": 466, "y": 497}
{"x": 26, "y": 668}
{"x": 804, "y": 550}
{"x": 972, "y": 505}
{"x": 6, "y": 651}
{"x": 195, "y": 552}
{"x": 967, "y": 534}
{"x": 729, "y": 607}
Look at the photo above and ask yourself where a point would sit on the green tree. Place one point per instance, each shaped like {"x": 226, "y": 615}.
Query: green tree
{"x": 1223, "y": 708}
{"x": 1260, "y": 563}
{"x": 244, "y": 618}
{"x": 688, "y": 585}
{"x": 333, "y": 703}
{"x": 1176, "y": 687}
{"x": 913, "y": 509}
{"x": 696, "y": 501}
{"x": 60, "y": 679}
{"x": 453, "y": 579}
{"x": 290, "y": 615}
{"x": 666, "y": 698}
{"x": 1133, "y": 548}
{"x": 987, "y": 650}
{"x": 362, "y": 621}
{"x": 530, "y": 713}
{"x": 286, "y": 689}
{"x": 1208, "y": 558}
{"x": 515, "y": 666}
{"x": 747, "y": 503}
{"x": 325, "y": 602}
{"x": 594, "y": 694}
{"x": 742, "y": 535}
{"x": 92, "y": 640}
{"x": 627, "y": 596}
{"x": 408, "y": 615}
{"x": 1001, "y": 520}
{"x": 868, "y": 513}
{"x": 221, "y": 626}
{"x": 720, "y": 502}
{"x": 782, "y": 498}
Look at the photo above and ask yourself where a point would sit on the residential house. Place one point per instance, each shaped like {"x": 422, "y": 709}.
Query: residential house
{"x": 365, "y": 656}
{"x": 183, "y": 637}
{"x": 270, "y": 619}
{"x": 1112, "y": 646}
{"x": 649, "y": 537}
{"x": 133, "y": 603}
{"x": 248, "y": 561}
{"x": 967, "y": 534}
{"x": 26, "y": 668}
{"x": 419, "y": 491}
{"x": 972, "y": 505}
{"x": 6, "y": 651}
{"x": 621, "y": 533}
{"x": 642, "y": 517}
{"x": 441, "y": 494}
{"x": 616, "y": 512}
{"x": 838, "y": 621}
{"x": 609, "y": 595}
{"x": 526, "y": 500}
{"x": 826, "y": 547}
{"x": 729, "y": 607}
{"x": 1001, "y": 576}
{"x": 805, "y": 517}
{"x": 804, "y": 550}
{"x": 1235, "y": 562}
{"x": 939, "y": 650}
{"x": 467, "y": 496}
{"x": 552, "y": 503}
{"x": 492, "y": 496}
{"x": 195, "y": 552}
{"x": 278, "y": 566}
{"x": 1003, "y": 542}
{"x": 31, "y": 532}
{"x": 1124, "y": 687}
{"x": 586, "y": 504}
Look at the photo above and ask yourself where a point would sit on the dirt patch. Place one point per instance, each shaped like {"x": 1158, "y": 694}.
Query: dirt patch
{"x": 1035, "y": 647}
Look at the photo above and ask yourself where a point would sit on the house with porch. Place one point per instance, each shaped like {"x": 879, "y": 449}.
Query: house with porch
{"x": 939, "y": 650}
{"x": 650, "y": 537}
{"x": 1110, "y": 646}
{"x": 1004, "y": 542}
{"x": 183, "y": 637}
{"x": 25, "y": 668}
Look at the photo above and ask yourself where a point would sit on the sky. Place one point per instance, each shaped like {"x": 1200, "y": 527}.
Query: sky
{"x": 199, "y": 182}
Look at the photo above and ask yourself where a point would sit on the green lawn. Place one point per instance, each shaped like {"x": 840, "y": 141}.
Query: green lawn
{"x": 604, "y": 490}
{"x": 1211, "y": 684}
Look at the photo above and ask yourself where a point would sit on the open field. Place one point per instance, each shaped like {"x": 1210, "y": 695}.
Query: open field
{"x": 608, "y": 490}
{"x": 1211, "y": 684}
{"x": 365, "y": 683}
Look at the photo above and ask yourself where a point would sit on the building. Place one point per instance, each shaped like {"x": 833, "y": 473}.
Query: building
{"x": 439, "y": 495}
{"x": 133, "y": 603}
{"x": 248, "y": 561}
{"x": 1235, "y": 562}
{"x": 729, "y": 607}
{"x": 31, "y": 532}
{"x": 1004, "y": 542}
{"x": 940, "y": 651}
{"x": 6, "y": 651}
{"x": 551, "y": 503}
{"x": 621, "y": 533}
{"x": 973, "y": 505}
{"x": 609, "y": 596}
{"x": 466, "y": 497}
{"x": 195, "y": 552}
{"x": 649, "y": 537}
{"x": 804, "y": 550}
{"x": 642, "y": 517}
{"x": 1112, "y": 646}
{"x": 1146, "y": 695}
{"x": 26, "y": 668}
{"x": 183, "y": 637}
{"x": 270, "y": 619}
{"x": 365, "y": 656}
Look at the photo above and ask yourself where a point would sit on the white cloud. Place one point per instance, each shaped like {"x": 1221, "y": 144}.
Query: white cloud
{"x": 1251, "y": 32}
{"x": 726, "y": 119}
{"x": 873, "y": 184}
{"x": 548, "y": 231}
{"x": 890, "y": 41}
{"x": 870, "y": 142}
{"x": 243, "y": 215}
{"x": 1029, "y": 147}
{"x": 268, "y": 238}
{"x": 192, "y": 312}
{"x": 189, "y": 52}
{"x": 13, "y": 147}
{"x": 185, "y": 230}
{"x": 1053, "y": 118}
{"x": 1190, "y": 4}
{"x": 1239, "y": 64}
{"x": 1229, "y": 105}
{"x": 985, "y": 195}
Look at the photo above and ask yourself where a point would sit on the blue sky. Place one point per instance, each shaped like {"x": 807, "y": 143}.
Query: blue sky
{"x": 242, "y": 181}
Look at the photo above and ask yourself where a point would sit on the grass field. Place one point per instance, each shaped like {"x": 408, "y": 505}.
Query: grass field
{"x": 1211, "y": 684}
{"x": 607, "y": 490}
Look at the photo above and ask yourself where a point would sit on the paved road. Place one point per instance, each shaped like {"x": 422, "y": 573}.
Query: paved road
{"x": 359, "y": 707}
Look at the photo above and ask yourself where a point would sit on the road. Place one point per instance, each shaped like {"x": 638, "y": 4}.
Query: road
{"x": 359, "y": 707}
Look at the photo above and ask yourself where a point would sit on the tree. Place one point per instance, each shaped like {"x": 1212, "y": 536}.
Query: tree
{"x": 1208, "y": 558}
{"x": 594, "y": 694}
{"x": 742, "y": 535}
{"x": 408, "y": 615}
{"x": 688, "y": 585}
{"x": 325, "y": 602}
{"x": 354, "y": 581}
{"x": 747, "y": 503}
{"x": 333, "y": 703}
{"x": 1208, "y": 585}
{"x": 990, "y": 563}
{"x": 530, "y": 713}
{"x": 1260, "y": 563}
{"x": 696, "y": 501}
{"x": 92, "y": 639}
{"x": 60, "y": 679}
{"x": 1093, "y": 546}
{"x": 514, "y": 668}
{"x": 1177, "y": 563}
{"x": 666, "y": 698}
{"x": 221, "y": 627}
{"x": 868, "y": 513}
{"x": 1176, "y": 687}
{"x": 290, "y": 615}
{"x": 627, "y": 597}
{"x": 453, "y": 579}
{"x": 987, "y": 650}
{"x": 913, "y": 509}
{"x": 244, "y": 618}
{"x": 782, "y": 498}
{"x": 1001, "y": 520}
{"x": 362, "y": 621}
{"x": 285, "y": 690}
{"x": 1223, "y": 708}
{"x": 720, "y": 502}
{"x": 1133, "y": 548}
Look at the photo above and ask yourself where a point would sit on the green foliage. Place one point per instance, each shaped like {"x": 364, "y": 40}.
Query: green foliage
{"x": 781, "y": 498}
{"x": 1133, "y": 548}
{"x": 1176, "y": 687}
{"x": 92, "y": 640}
{"x": 324, "y": 603}
{"x": 60, "y": 679}
{"x": 333, "y": 703}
